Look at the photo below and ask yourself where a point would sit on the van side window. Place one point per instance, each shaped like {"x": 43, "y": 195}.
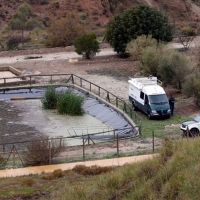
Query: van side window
{"x": 142, "y": 95}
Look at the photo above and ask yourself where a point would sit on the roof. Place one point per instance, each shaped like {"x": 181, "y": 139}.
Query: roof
{"x": 144, "y": 81}
{"x": 153, "y": 90}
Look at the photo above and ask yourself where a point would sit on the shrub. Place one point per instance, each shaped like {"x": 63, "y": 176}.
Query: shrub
{"x": 135, "y": 47}
{"x": 83, "y": 15}
{"x": 42, "y": 151}
{"x": 191, "y": 87}
{"x": 14, "y": 42}
{"x": 62, "y": 32}
{"x": 58, "y": 173}
{"x": 70, "y": 103}
{"x": 87, "y": 45}
{"x": 188, "y": 31}
{"x": 174, "y": 67}
{"x": 28, "y": 182}
{"x": 49, "y": 100}
{"x": 92, "y": 170}
{"x": 2, "y": 160}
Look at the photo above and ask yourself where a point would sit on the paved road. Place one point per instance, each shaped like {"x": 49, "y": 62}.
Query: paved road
{"x": 50, "y": 56}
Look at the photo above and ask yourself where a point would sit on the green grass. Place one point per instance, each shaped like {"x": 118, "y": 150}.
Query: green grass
{"x": 158, "y": 125}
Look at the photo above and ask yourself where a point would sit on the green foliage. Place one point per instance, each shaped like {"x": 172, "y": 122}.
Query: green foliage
{"x": 157, "y": 59}
{"x": 174, "y": 67}
{"x": 70, "y": 103}
{"x": 188, "y": 31}
{"x": 83, "y": 15}
{"x": 191, "y": 87}
{"x": 135, "y": 47}
{"x": 50, "y": 98}
{"x": 66, "y": 102}
{"x": 136, "y": 21}
{"x": 87, "y": 45}
{"x": 150, "y": 61}
{"x": 22, "y": 20}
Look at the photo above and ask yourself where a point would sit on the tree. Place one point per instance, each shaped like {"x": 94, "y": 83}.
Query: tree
{"x": 174, "y": 67}
{"x": 86, "y": 45}
{"x": 191, "y": 87}
{"x": 135, "y": 47}
{"x": 22, "y": 20}
{"x": 64, "y": 31}
{"x": 138, "y": 20}
{"x": 186, "y": 36}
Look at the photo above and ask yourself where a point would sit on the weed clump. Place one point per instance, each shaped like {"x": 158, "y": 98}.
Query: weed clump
{"x": 66, "y": 102}
{"x": 70, "y": 103}
{"x": 28, "y": 182}
{"x": 58, "y": 173}
{"x": 49, "y": 100}
{"x": 92, "y": 170}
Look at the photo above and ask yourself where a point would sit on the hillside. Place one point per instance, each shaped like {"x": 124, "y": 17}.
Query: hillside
{"x": 100, "y": 11}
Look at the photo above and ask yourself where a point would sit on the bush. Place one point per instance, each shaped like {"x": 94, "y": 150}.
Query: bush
{"x": 191, "y": 87}
{"x": 87, "y": 45}
{"x": 83, "y": 15}
{"x": 14, "y": 42}
{"x": 62, "y": 32}
{"x": 150, "y": 61}
{"x": 58, "y": 173}
{"x": 66, "y": 102}
{"x": 28, "y": 182}
{"x": 70, "y": 103}
{"x": 92, "y": 170}
{"x": 135, "y": 47}
{"x": 42, "y": 151}
{"x": 50, "y": 98}
{"x": 174, "y": 67}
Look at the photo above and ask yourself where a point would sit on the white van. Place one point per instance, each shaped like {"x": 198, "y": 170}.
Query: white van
{"x": 146, "y": 94}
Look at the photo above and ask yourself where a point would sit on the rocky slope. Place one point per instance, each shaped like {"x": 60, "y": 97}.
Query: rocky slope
{"x": 100, "y": 11}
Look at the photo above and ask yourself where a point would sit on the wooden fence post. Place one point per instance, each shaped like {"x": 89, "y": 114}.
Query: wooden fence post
{"x": 153, "y": 140}
{"x": 49, "y": 152}
{"x": 117, "y": 145}
{"x": 83, "y": 150}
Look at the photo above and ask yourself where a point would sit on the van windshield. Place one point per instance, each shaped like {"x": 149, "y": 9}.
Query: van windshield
{"x": 158, "y": 99}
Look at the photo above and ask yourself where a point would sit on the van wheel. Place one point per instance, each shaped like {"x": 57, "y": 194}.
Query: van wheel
{"x": 134, "y": 107}
{"x": 149, "y": 116}
{"x": 194, "y": 132}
